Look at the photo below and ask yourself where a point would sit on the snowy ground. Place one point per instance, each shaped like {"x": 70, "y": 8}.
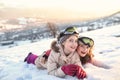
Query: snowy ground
{"x": 107, "y": 49}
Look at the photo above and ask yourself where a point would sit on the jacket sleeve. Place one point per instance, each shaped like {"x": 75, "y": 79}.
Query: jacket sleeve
{"x": 40, "y": 62}
{"x": 99, "y": 64}
{"x": 52, "y": 67}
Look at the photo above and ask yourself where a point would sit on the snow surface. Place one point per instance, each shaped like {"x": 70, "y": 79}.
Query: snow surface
{"x": 107, "y": 50}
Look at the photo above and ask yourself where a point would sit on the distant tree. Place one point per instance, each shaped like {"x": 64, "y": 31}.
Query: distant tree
{"x": 52, "y": 28}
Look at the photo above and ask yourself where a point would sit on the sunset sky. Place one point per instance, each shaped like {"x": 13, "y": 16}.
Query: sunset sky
{"x": 69, "y": 8}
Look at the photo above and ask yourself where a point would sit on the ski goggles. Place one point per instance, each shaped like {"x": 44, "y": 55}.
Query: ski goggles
{"x": 87, "y": 41}
{"x": 71, "y": 30}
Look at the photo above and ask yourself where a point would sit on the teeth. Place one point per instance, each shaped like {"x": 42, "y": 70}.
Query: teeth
{"x": 82, "y": 52}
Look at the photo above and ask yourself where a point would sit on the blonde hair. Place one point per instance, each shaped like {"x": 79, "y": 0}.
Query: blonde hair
{"x": 88, "y": 57}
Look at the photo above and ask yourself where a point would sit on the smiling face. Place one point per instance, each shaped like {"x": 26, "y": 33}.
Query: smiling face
{"x": 83, "y": 49}
{"x": 70, "y": 44}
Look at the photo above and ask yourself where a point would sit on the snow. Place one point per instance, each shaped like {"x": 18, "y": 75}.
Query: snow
{"x": 107, "y": 50}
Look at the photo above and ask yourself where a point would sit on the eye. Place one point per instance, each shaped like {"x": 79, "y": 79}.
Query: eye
{"x": 81, "y": 45}
{"x": 76, "y": 41}
{"x": 71, "y": 40}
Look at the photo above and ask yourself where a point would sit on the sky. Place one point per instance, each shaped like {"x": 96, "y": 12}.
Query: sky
{"x": 73, "y": 8}
{"x": 69, "y": 4}
{"x": 107, "y": 50}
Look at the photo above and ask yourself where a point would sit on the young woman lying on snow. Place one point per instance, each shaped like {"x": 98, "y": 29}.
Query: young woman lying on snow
{"x": 63, "y": 59}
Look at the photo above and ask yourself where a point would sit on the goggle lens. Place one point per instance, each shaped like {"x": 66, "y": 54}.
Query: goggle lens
{"x": 87, "y": 41}
{"x": 71, "y": 30}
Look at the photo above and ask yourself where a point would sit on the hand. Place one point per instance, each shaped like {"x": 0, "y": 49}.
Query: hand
{"x": 70, "y": 69}
{"x": 43, "y": 60}
{"x": 80, "y": 73}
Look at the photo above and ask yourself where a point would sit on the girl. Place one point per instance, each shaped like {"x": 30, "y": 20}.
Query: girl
{"x": 63, "y": 59}
{"x": 85, "y": 47}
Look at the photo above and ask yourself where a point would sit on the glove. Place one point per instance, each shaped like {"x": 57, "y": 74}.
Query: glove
{"x": 70, "y": 69}
{"x": 47, "y": 53}
{"x": 80, "y": 73}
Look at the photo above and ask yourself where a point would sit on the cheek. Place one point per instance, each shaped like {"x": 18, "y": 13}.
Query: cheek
{"x": 76, "y": 44}
{"x": 78, "y": 50}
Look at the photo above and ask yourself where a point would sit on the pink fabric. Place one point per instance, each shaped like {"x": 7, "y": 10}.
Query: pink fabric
{"x": 31, "y": 58}
{"x": 81, "y": 74}
{"x": 70, "y": 69}
{"x": 48, "y": 52}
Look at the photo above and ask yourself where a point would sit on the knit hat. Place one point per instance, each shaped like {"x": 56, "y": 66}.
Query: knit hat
{"x": 66, "y": 34}
{"x": 63, "y": 38}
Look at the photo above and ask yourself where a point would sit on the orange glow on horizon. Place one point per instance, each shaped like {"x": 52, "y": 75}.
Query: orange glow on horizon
{"x": 69, "y": 9}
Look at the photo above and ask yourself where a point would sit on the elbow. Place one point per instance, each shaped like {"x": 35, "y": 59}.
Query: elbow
{"x": 107, "y": 67}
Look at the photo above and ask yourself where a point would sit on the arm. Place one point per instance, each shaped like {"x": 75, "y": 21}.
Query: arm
{"x": 41, "y": 61}
{"x": 99, "y": 64}
{"x": 53, "y": 67}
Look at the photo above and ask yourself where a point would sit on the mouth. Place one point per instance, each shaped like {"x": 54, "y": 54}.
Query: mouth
{"x": 73, "y": 47}
{"x": 83, "y": 52}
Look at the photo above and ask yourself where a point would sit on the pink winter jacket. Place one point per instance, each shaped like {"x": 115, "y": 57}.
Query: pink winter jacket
{"x": 57, "y": 60}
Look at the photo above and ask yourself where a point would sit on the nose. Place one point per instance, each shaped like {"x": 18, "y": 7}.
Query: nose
{"x": 75, "y": 44}
{"x": 85, "y": 49}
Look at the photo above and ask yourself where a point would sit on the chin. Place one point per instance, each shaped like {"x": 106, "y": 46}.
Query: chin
{"x": 72, "y": 50}
{"x": 82, "y": 55}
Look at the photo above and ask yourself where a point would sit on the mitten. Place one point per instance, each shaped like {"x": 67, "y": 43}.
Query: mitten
{"x": 80, "y": 73}
{"x": 70, "y": 69}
